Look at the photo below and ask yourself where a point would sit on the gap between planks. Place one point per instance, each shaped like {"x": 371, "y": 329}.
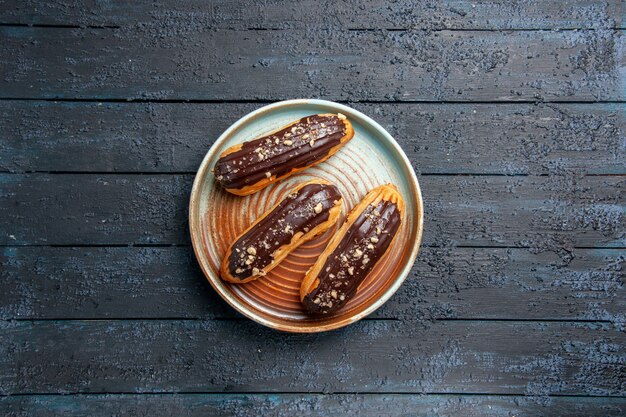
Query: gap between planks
{"x": 422, "y": 174}
{"x": 268, "y": 101}
{"x": 311, "y": 393}
{"x": 186, "y": 245}
{"x": 58, "y": 26}
{"x": 350, "y": 29}
{"x": 245, "y": 319}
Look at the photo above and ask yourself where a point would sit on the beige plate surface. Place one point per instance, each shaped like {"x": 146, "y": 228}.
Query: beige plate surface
{"x": 370, "y": 159}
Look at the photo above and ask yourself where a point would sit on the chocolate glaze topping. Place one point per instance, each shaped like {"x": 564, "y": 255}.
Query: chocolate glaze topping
{"x": 299, "y": 145}
{"x": 365, "y": 242}
{"x": 300, "y": 211}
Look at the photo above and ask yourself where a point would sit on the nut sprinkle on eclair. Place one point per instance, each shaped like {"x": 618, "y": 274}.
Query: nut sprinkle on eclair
{"x": 306, "y": 212}
{"x": 248, "y": 167}
{"x": 353, "y": 252}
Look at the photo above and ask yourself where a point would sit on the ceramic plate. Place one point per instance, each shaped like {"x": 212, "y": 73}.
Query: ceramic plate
{"x": 370, "y": 159}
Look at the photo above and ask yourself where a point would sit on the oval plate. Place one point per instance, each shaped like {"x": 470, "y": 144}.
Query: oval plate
{"x": 217, "y": 217}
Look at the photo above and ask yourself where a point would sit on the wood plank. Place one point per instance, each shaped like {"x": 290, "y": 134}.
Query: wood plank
{"x": 43, "y": 282}
{"x": 539, "y": 212}
{"x": 445, "y": 283}
{"x": 365, "y": 405}
{"x": 204, "y": 64}
{"x": 448, "y": 138}
{"x": 448, "y": 14}
{"x": 370, "y": 356}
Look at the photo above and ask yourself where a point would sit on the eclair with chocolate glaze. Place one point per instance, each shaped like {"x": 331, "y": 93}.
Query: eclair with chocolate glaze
{"x": 251, "y": 166}
{"x": 306, "y": 212}
{"x": 353, "y": 252}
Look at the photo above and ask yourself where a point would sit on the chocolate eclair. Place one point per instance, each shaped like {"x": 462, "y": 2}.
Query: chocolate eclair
{"x": 250, "y": 166}
{"x": 353, "y": 252}
{"x": 306, "y": 212}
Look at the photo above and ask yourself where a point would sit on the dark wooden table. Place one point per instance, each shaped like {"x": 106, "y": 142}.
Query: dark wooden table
{"x": 512, "y": 113}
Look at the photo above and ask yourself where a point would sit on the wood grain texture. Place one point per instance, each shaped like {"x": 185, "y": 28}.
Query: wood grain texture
{"x": 438, "y": 138}
{"x": 539, "y": 212}
{"x": 536, "y": 359}
{"x": 288, "y": 405}
{"x": 445, "y": 283}
{"x": 449, "y": 14}
{"x": 191, "y": 62}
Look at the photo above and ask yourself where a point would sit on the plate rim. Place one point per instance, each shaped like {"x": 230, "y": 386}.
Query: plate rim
{"x": 197, "y": 242}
